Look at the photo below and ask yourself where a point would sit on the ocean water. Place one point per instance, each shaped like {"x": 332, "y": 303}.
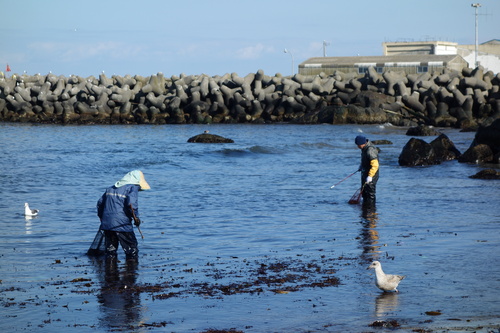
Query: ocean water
{"x": 247, "y": 236}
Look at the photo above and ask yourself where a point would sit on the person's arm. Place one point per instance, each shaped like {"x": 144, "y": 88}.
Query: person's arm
{"x": 373, "y": 168}
{"x": 132, "y": 202}
{"x": 100, "y": 206}
{"x": 372, "y": 154}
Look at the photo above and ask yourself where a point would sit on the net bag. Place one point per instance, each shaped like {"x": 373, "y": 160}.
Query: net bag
{"x": 98, "y": 246}
{"x": 356, "y": 198}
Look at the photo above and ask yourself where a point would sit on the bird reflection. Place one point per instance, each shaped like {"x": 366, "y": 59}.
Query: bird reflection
{"x": 386, "y": 302}
{"x": 369, "y": 237}
{"x": 29, "y": 224}
{"x": 120, "y": 303}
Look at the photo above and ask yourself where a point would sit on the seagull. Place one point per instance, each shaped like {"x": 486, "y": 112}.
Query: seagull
{"x": 385, "y": 282}
{"x": 28, "y": 211}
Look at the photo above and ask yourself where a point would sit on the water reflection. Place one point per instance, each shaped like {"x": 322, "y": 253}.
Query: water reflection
{"x": 119, "y": 299}
{"x": 369, "y": 237}
{"x": 386, "y": 302}
{"x": 29, "y": 224}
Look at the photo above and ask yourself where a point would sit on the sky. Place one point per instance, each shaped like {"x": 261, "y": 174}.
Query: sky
{"x": 120, "y": 37}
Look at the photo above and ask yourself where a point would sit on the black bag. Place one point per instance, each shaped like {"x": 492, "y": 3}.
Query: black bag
{"x": 98, "y": 246}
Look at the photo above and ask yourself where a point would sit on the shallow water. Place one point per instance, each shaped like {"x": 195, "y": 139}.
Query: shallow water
{"x": 222, "y": 220}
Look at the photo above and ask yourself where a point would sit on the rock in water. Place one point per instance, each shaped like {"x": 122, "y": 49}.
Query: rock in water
{"x": 486, "y": 174}
{"x": 209, "y": 138}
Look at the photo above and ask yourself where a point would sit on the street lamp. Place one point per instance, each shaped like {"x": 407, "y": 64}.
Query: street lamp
{"x": 476, "y": 5}
{"x": 325, "y": 44}
{"x": 286, "y": 51}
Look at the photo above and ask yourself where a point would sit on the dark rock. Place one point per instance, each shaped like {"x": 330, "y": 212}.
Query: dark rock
{"x": 477, "y": 154}
{"x": 422, "y": 130}
{"x": 360, "y": 115}
{"x": 444, "y": 148}
{"x": 417, "y": 152}
{"x": 339, "y": 114}
{"x": 382, "y": 142}
{"x": 472, "y": 128}
{"x": 385, "y": 323}
{"x": 486, "y": 145}
{"x": 373, "y": 99}
{"x": 209, "y": 138}
{"x": 325, "y": 115}
{"x": 486, "y": 174}
{"x": 490, "y": 136}
{"x": 468, "y": 124}
{"x": 308, "y": 118}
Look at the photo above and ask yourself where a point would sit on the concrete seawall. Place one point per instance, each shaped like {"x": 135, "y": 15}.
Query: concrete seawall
{"x": 450, "y": 99}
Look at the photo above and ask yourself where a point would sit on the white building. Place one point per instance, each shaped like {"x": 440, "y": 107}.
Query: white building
{"x": 488, "y": 52}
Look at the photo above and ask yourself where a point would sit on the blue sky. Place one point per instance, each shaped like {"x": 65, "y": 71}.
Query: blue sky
{"x": 216, "y": 37}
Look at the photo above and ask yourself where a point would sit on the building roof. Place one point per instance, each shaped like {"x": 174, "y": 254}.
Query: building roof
{"x": 435, "y": 42}
{"x": 372, "y": 60}
{"x": 492, "y": 41}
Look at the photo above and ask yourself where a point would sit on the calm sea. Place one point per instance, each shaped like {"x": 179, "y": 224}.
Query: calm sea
{"x": 243, "y": 236}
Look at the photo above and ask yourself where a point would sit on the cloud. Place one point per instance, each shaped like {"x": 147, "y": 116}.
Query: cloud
{"x": 216, "y": 49}
{"x": 253, "y": 52}
{"x": 71, "y": 52}
{"x": 192, "y": 50}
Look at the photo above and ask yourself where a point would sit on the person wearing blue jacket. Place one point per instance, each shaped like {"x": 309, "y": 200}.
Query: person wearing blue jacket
{"x": 117, "y": 208}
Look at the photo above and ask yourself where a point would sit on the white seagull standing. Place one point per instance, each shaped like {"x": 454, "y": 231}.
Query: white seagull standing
{"x": 28, "y": 211}
{"x": 386, "y": 282}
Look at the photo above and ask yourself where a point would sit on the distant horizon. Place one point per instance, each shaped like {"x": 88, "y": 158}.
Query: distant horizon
{"x": 222, "y": 74}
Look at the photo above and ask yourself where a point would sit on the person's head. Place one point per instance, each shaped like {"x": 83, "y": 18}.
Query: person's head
{"x": 135, "y": 177}
{"x": 360, "y": 141}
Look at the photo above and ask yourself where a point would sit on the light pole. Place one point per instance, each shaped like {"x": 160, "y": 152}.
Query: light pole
{"x": 476, "y": 6}
{"x": 286, "y": 51}
{"x": 325, "y": 44}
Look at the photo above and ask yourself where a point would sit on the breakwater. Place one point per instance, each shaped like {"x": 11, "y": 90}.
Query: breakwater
{"x": 449, "y": 98}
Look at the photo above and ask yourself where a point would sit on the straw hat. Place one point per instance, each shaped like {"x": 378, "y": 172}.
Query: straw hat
{"x": 143, "y": 183}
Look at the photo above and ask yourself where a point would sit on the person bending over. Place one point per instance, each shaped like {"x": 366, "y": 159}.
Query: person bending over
{"x": 117, "y": 208}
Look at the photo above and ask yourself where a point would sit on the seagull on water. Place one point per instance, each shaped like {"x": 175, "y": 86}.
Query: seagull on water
{"x": 28, "y": 211}
{"x": 385, "y": 282}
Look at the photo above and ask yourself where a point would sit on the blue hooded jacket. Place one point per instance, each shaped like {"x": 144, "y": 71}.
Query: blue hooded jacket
{"x": 113, "y": 208}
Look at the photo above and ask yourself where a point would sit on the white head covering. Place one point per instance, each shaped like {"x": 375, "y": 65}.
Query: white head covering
{"x": 135, "y": 177}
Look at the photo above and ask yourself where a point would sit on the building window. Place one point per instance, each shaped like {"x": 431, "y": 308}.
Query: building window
{"x": 364, "y": 70}
{"x": 422, "y": 69}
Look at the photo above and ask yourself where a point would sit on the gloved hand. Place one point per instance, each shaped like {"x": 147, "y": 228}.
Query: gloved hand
{"x": 369, "y": 179}
{"x": 360, "y": 168}
{"x": 137, "y": 222}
